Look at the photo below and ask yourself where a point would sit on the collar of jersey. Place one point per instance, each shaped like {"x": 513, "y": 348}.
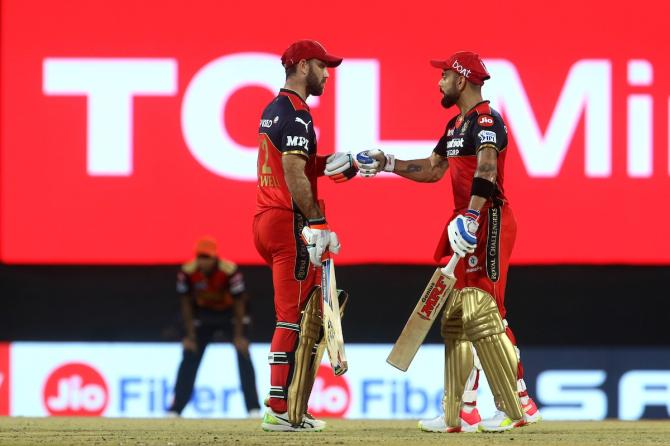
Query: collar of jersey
{"x": 286, "y": 92}
{"x": 472, "y": 110}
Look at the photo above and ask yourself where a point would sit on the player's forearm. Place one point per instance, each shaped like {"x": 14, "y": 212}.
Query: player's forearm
{"x": 187, "y": 316}
{"x": 477, "y": 202}
{"x": 301, "y": 192}
{"x": 421, "y": 170}
{"x": 415, "y": 170}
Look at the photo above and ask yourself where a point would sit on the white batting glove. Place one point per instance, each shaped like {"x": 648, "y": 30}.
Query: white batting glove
{"x": 318, "y": 238}
{"x": 371, "y": 162}
{"x": 340, "y": 167}
{"x": 462, "y": 232}
{"x": 334, "y": 245}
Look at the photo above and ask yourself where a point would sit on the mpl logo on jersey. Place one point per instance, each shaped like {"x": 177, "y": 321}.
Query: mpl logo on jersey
{"x": 297, "y": 141}
{"x": 331, "y": 394}
{"x": 75, "y": 389}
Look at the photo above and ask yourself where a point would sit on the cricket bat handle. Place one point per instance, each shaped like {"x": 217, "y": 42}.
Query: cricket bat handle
{"x": 451, "y": 266}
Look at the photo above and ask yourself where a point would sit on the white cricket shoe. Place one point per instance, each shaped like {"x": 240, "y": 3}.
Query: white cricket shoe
{"x": 469, "y": 423}
{"x": 278, "y": 422}
{"x": 500, "y": 422}
{"x": 310, "y": 417}
{"x": 254, "y": 414}
{"x": 172, "y": 414}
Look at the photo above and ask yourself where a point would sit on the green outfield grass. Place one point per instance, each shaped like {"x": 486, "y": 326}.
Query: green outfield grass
{"x": 175, "y": 432}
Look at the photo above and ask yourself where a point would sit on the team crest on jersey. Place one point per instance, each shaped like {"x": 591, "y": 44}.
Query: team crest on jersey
{"x": 487, "y": 136}
{"x": 485, "y": 120}
{"x": 472, "y": 261}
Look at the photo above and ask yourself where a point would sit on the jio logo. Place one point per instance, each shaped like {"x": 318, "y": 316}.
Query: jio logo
{"x": 331, "y": 396}
{"x": 75, "y": 389}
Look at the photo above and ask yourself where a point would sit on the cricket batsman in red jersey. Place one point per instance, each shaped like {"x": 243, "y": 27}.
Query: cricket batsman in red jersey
{"x": 481, "y": 231}
{"x": 291, "y": 232}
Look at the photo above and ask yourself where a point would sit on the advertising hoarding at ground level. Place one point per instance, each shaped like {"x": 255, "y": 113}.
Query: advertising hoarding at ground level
{"x": 137, "y": 380}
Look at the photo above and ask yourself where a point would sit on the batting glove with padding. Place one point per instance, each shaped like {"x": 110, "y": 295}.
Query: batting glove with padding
{"x": 318, "y": 238}
{"x": 462, "y": 232}
{"x": 340, "y": 167}
{"x": 371, "y": 162}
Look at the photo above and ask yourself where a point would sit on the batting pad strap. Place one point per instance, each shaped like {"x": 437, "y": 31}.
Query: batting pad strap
{"x": 278, "y": 392}
{"x": 470, "y": 396}
{"x": 520, "y": 385}
{"x": 289, "y": 326}
{"x": 275, "y": 358}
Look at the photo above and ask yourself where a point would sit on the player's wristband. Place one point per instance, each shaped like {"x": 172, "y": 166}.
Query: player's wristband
{"x": 317, "y": 223}
{"x": 390, "y": 162}
{"x": 472, "y": 214}
{"x": 482, "y": 187}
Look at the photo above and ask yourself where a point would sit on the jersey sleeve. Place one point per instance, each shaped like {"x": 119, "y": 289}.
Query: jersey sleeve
{"x": 441, "y": 146}
{"x": 489, "y": 131}
{"x": 237, "y": 285}
{"x": 296, "y": 134}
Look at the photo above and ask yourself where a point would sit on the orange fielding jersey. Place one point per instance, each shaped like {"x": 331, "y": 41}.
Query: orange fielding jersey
{"x": 286, "y": 128}
{"x": 215, "y": 291}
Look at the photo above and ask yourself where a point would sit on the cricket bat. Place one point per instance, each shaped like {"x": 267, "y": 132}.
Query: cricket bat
{"x": 332, "y": 323}
{"x": 423, "y": 316}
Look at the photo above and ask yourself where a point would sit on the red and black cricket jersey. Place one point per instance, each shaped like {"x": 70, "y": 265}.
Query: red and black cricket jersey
{"x": 215, "y": 291}
{"x": 463, "y": 138}
{"x": 286, "y": 128}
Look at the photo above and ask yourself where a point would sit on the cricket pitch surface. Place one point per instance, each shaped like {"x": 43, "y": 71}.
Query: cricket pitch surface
{"x": 176, "y": 432}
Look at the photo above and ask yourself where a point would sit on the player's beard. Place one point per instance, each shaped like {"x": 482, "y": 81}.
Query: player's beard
{"x": 315, "y": 85}
{"x": 449, "y": 99}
